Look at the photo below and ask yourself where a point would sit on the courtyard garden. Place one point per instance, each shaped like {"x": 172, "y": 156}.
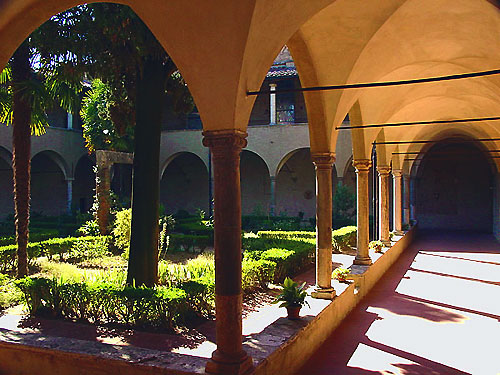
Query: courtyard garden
{"x": 83, "y": 277}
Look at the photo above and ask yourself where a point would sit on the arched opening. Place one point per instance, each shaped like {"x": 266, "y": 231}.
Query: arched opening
{"x": 121, "y": 182}
{"x": 295, "y": 185}
{"x": 454, "y": 188}
{"x": 184, "y": 184}
{"x": 255, "y": 184}
{"x": 48, "y": 185}
{"x": 84, "y": 184}
{"x": 6, "y": 184}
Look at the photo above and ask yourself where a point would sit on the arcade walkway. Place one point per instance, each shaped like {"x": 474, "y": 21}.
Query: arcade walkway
{"x": 436, "y": 311}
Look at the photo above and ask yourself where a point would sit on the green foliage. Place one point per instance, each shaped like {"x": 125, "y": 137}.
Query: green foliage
{"x": 98, "y": 129}
{"x": 8, "y": 256}
{"x": 100, "y": 302}
{"x": 257, "y": 274}
{"x": 344, "y": 207}
{"x": 34, "y": 237}
{"x": 10, "y": 295}
{"x": 292, "y": 294}
{"x": 121, "y": 229}
{"x": 376, "y": 246}
{"x": 76, "y": 249}
{"x": 340, "y": 274}
{"x": 344, "y": 239}
{"x": 188, "y": 242}
{"x": 289, "y": 235}
{"x": 89, "y": 228}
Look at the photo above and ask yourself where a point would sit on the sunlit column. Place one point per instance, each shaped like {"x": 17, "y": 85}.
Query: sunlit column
{"x": 383, "y": 175}
{"x": 323, "y": 163}
{"x": 272, "y": 104}
{"x": 406, "y": 199}
{"x": 272, "y": 206}
{"x": 362, "y": 168}
{"x": 229, "y": 357}
{"x": 398, "y": 202}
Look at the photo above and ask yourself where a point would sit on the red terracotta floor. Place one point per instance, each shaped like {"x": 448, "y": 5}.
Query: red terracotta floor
{"x": 436, "y": 311}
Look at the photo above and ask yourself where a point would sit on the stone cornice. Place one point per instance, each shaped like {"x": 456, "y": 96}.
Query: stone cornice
{"x": 323, "y": 160}
{"x": 362, "y": 165}
{"x": 221, "y": 141}
{"x": 383, "y": 170}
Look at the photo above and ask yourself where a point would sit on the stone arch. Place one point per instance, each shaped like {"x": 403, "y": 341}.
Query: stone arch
{"x": 285, "y": 158}
{"x": 295, "y": 185}
{"x": 57, "y": 159}
{"x": 184, "y": 184}
{"x": 6, "y": 184}
{"x": 468, "y": 205}
{"x": 255, "y": 184}
{"x": 48, "y": 184}
{"x": 84, "y": 184}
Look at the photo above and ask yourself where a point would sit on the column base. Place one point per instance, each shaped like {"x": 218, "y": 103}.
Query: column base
{"x": 323, "y": 293}
{"x": 362, "y": 261}
{"x": 222, "y": 364}
{"x": 398, "y": 232}
{"x": 386, "y": 243}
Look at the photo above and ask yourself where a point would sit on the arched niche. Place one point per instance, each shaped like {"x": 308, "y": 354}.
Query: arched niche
{"x": 295, "y": 185}
{"x": 454, "y": 187}
{"x": 6, "y": 185}
{"x": 48, "y": 184}
{"x": 255, "y": 184}
{"x": 184, "y": 184}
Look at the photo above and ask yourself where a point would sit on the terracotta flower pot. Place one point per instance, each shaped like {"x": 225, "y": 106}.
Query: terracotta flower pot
{"x": 293, "y": 312}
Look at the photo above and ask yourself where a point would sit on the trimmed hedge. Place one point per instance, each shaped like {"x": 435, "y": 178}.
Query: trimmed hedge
{"x": 34, "y": 237}
{"x": 71, "y": 249}
{"x": 105, "y": 302}
{"x": 344, "y": 239}
{"x": 286, "y": 235}
{"x": 189, "y": 242}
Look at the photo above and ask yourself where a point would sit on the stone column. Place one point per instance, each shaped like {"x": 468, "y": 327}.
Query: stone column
{"x": 229, "y": 357}
{"x": 362, "y": 168}
{"x": 398, "y": 202}
{"x": 272, "y": 206}
{"x": 406, "y": 199}
{"x": 272, "y": 104}
{"x": 413, "y": 198}
{"x": 323, "y": 163}
{"x": 70, "y": 120}
{"x": 69, "y": 195}
{"x": 383, "y": 177}
{"x": 103, "y": 187}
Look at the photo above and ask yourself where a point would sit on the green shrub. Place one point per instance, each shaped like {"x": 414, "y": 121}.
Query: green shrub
{"x": 286, "y": 235}
{"x": 89, "y": 228}
{"x": 100, "y": 302}
{"x": 344, "y": 239}
{"x": 8, "y": 256}
{"x": 257, "y": 274}
{"x": 75, "y": 249}
{"x": 10, "y": 295}
{"x": 33, "y": 237}
{"x": 121, "y": 229}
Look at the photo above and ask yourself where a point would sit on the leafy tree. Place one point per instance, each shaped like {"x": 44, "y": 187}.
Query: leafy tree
{"x": 110, "y": 42}
{"x": 344, "y": 207}
{"x": 25, "y": 98}
{"x": 98, "y": 129}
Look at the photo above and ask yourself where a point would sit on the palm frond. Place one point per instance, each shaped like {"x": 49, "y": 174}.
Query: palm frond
{"x": 5, "y": 105}
{"x": 5, "y": 75}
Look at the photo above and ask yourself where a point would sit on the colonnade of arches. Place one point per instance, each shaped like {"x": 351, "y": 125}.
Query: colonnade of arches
{"x": 333, "y": 42}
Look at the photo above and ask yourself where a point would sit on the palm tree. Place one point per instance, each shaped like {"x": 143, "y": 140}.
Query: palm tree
{"x": 110, "y": 42}
{"x": 25, "y": 98}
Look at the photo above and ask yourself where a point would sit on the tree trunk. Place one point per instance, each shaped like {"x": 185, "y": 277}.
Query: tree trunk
{"x": 143, "y": 255}
{"x": 21, "y": 153}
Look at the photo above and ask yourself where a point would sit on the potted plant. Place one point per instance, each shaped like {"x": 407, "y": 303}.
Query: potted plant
{"x": 377, "y": 246}
{"x": 340, "y": 274}
{"x": 293, "y": 297}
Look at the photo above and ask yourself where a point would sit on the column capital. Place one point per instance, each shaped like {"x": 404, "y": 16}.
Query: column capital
{"x": 397, "y": 173}
{"x": 273, "y": 85}
{"x": 222, "y": 141}
{"x": 323, "y": 159}
{"x": 383, "y": 170}
{"x": 362, "y": 165}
